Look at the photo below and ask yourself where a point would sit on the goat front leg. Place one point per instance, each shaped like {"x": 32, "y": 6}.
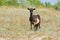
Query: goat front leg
{"x": 31, "y": 25}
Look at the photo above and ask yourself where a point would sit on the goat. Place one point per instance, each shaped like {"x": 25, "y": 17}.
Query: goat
{"x": 34, "y": 19}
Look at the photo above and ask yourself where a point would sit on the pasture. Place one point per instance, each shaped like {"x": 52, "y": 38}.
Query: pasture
{"x": 14, "y": 24}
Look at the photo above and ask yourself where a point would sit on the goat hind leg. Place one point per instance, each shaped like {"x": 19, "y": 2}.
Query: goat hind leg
{"x": 39, "y": 25}
{"x": 36, "y": 27}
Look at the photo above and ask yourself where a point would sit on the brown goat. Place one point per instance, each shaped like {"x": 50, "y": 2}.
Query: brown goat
{"x": 34, "y": 19}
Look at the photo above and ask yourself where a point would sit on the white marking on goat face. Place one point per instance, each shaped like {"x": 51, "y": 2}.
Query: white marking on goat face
{"x": 37, "y": 21}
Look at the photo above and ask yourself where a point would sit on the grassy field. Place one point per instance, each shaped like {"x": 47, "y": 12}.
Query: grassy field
{"x": 14, "y": 24}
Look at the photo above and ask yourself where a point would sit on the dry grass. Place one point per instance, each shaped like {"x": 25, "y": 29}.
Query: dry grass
{"x": 14, "y": 24}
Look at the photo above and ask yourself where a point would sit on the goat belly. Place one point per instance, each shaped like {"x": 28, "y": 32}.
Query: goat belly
{"x": 37, "y": 21}
{"x": 34, "y": 20}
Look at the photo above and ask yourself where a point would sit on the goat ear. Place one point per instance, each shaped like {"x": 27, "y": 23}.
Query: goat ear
{"x": 34, "y": 9}
{"x": 28, "y": 8}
